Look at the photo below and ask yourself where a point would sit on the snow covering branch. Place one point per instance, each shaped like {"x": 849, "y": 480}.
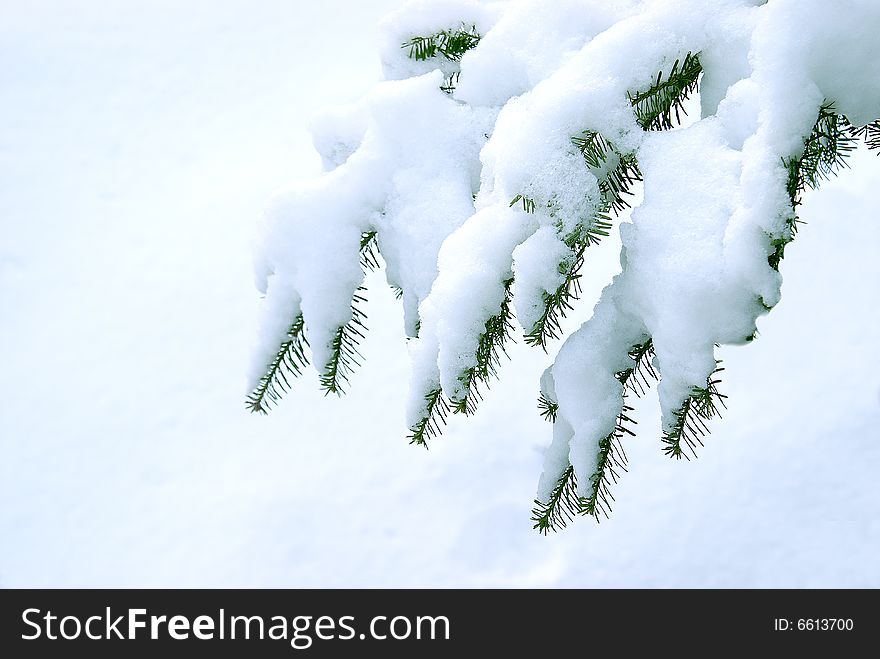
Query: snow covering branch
{"x": 503, "y": 144}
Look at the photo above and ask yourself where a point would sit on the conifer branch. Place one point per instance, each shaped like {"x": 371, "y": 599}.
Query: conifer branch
{"x": 344, "y": 353}
{"x": 826, "y": 148}
{"x": 490, "y": 347}
{"x": 661, "y": 105}
{"x": 561, "y": 507}
{"x": 690, "y": 424}
{"x": 617, "y": 173}
{"x": 547, "y": 408}
{"x": 370, "y": 251}
{"x": 437, "y": 410}
{"x": 564, "y": 503}
{"x": 449, "y": 44}
{"x": 497, "y": 331}
{"x": 870, "y": 133}
{"x": 658, "y": 108}
{"x": 287, "y": 364}
{"x": 528, "y": 203}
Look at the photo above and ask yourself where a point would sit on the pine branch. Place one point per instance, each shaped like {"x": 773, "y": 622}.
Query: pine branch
{"x": 564, "y": 503}
{"x": 561, "y": 507}
{"x": 870, "y": 133}
{"x": 547, "y": 408}
{"x": 489, "y": 350}
{"x": 617, "y": 173}
{"x": 691, "y": 418}
{"x": 661, "y": 106}
{"x": 497, "y": 331}
{"x": 344, "y": 353}
{"x": 826, "y": 148}
{"x": 658, "y": 108}
{"x": 528, "y": 203}
{"x": 450, "y": 44}
{"x": 370, "y": 252}
{"x": 287, "y": 364}
{"x": 610, "y": 461}
{"x": 437, "y": 409}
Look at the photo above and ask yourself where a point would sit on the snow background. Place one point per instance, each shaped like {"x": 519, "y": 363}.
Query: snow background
{"x": 139, "y": 142}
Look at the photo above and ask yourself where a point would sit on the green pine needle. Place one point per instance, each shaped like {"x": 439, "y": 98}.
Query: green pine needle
{"x": 497, "y": 331}
{"x": 345, "y": 355}
{"x": 547, "y": 408}
{"x": 437, "y": 410}
{"x": 691, "y": 418}
{"x": 661, "y": 106}
{"x": 870, "y": 133}
{"x": 370, "y": 251}
{"x": 287, "y": 364}
{"x": 564, "y": 504}
{"x": 561, "y": 507}
{"x": 826, "y": 148}
{"x": 528, "y": 203}
{"x": 450, "y": 44}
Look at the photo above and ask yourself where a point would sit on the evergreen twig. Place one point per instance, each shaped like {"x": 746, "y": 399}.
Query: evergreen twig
{"x": 826, "y": 148}
{"x": 497, "y": 331}
{"x": 690, "y": 424}
{"x": 547, "y": 408}
{"x": 287, "y": 364}
{"x": 870, "y": 133}
{"x": 344, "y": 353}
{"x": 661, "y": 106}
{"x": 449, "y": 44}
{"x": 564, "y": 503}
{"x": 658, "y": 108}
{"x": 437, "y": 409}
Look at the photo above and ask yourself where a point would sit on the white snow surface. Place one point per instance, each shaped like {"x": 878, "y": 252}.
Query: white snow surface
{"x": 131, "y": 169}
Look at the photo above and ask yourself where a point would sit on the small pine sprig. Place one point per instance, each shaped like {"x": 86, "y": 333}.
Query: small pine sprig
{"x": 450, "y": 44}
{"x": 497, "y": 331}
{"x": 547, "y": 408}
{"x": 370, "y": 251}
{"x": 661, "y": 106}
{"x": 870, "y": 133}
{"x": 616, "y": 172}
{"x": 490, "y": 347}
{"x": 288, "y": 363}
{"x": 564, "y": 504}
{"x": 610, "y": 461}
{"x": 528, "y": 204}
{"x": 437, "y": 410}
{"x": 344, "y": 353}
{"x": 826, "y": 148}
{"x": 690, "y": 425}
{"x": 561, "y": 507}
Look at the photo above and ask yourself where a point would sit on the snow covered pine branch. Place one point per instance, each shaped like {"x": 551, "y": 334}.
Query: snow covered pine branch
{"x": 500, "y": 150}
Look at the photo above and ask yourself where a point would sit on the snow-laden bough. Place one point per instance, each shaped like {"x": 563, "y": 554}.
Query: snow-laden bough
{"x": 497, "y": 153}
